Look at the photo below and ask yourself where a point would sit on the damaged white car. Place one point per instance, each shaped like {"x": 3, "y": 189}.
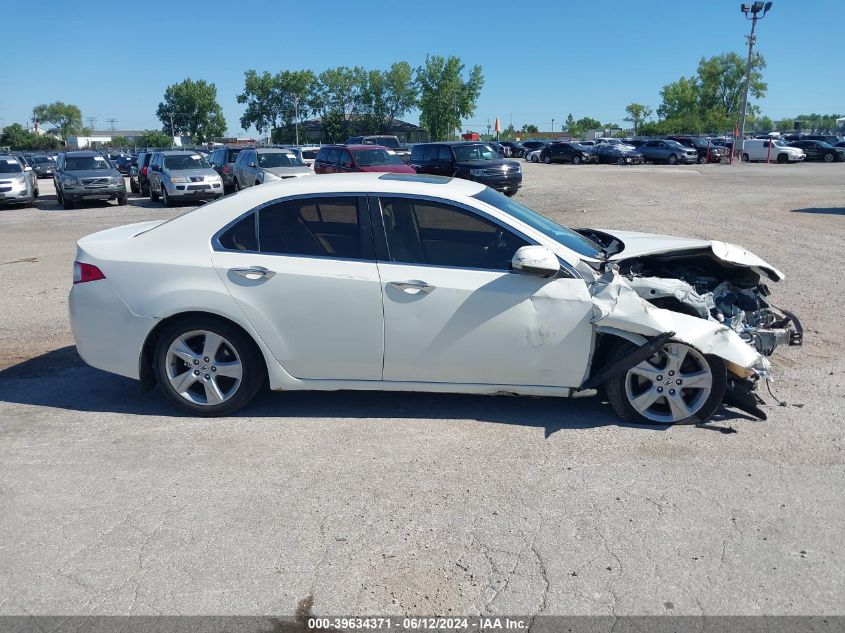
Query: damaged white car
{"x": 421, "y": 283}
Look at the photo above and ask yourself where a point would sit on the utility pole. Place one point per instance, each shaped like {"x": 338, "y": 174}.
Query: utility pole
{"x": 91, "y": 120}
{"x": 553, "y": 125}
{"x": 111, "y": 123}
{"x": 754, "y": 9}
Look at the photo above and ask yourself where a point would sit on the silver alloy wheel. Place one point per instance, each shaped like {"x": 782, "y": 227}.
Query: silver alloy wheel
{"x": 671, "y": 385}
{"x": 828, "y": 158}
{"x": 203, "y": 367}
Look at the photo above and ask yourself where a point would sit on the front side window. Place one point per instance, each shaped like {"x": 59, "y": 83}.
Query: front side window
{"x": 317, "y": 227}
{"x": 465, "y": 153}
{"x": 425, "y": 232}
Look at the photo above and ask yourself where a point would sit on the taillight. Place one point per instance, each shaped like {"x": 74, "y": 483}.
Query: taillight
{"x": 225, "y": 169}
{"x": 83, "y": 272}
{"x": 143, "y": 171}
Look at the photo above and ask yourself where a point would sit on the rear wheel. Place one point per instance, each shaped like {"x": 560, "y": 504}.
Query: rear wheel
{"x": 237, "y": 185}
{"x": 547, "y": 159}
{"x": 702, "y": 160}
{"x": 678, "y": 385}
{"x": 534, "y": 159}
{"x": 133, "y": 186}
{"x": 207, "y": 367}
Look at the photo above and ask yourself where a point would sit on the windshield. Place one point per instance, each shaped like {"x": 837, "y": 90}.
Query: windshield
{"x": 473, "y": 152}
{"x": 369, "y": 157}
{"x": 387, "y": 141}
{"x": 278, "y": 159}
{"x": 42, "y": 159}
{"x": 779, "y": 144}
{"x": 309, "y": 154}
{"x": 10, "y": 166}
{"x": 85, "y": 163}
{"x": 184, "y": 161}
{"x": 560, "y": 234}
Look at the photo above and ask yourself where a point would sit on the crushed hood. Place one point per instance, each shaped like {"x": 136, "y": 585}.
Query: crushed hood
{"x": 644, "y": 244}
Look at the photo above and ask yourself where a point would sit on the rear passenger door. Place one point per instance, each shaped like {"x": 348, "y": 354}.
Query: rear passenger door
{"x": 304, "y": 274}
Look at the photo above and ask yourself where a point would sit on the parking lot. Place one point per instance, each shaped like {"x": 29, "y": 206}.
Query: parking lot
{"x": 112, "y": 502}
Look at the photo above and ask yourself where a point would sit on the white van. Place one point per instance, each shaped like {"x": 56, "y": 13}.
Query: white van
{"x": 757, "y": 149}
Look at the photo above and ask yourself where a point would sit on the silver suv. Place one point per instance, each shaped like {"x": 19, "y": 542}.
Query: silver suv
{"x": 18, "y": 185}
{"x": 179, "y": 175}
{"x": 83, "y": 176}
{"x": 257, "y": 166}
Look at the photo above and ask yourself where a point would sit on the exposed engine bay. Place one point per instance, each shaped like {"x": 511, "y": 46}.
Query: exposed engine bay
{"x": 698, "y": 283}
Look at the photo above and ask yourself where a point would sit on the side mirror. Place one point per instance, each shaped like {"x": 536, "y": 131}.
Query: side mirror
{"x": 27, "y": 168}
{"x": 536, "y": 260}
{"x": 252, "y": 165}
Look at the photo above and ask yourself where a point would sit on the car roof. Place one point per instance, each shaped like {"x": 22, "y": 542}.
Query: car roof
{"x": 271, "y": 150}
{"x": 83, "y": 153}
{"x": 176, "y": 152}
{"x": 361, "y": 146}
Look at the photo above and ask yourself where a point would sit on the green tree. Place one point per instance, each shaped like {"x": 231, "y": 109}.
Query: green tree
{"x": 336, "y": 98}
{"x": 637, "y": 114}
{"x": 530, "y": 128}
{"x": 276, "y": 102}
{"x": 721, "y": 83}
{"x": 15, "y": 136}
{"x": 569, "y": 124}
{"x": 65, "y": 118}
{"x": 120, "y": 141}
{"x": 153, "y": 138}
{"x": 385, "y": 96}
{"x": 445, "y": 97}
{"x": 190, "y": 108}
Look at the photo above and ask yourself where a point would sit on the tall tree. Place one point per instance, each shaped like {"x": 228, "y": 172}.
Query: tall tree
{"x": 66, "y": 118}
{"x": 386, "y": 96}
{"x": 445, "y": 96}
{"x": 721, "y": 81}
{"x": 530, "y": 128}
{"x": 337, "y": 98}
{"x": 275, "y": 103}
{"x": 191, "y": 108}
{"x": 637, "y": 114}
{"x": 569, "y": 124}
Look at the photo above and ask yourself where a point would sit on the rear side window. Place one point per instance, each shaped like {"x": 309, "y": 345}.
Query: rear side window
{"x": 241, "y": 236}
{"x": 317, "y": 227}
{"x": 323, "y": 154}
{"x": 233, "y": 154}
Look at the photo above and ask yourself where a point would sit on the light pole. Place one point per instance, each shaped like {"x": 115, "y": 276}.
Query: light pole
{"x": 553, "y": 125}
{"x": 754, "y": 9}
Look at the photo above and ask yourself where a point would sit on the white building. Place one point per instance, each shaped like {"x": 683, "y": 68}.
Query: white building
{"x": 97, "y": 139}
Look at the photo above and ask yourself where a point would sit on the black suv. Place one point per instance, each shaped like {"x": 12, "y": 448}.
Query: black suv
{"x": 138, "y": 179}
{"x": 516, "y": 149}
{"x": 470, "y": 161}
{"x": 566, "y": 152}
{"x": 222, "y": 160}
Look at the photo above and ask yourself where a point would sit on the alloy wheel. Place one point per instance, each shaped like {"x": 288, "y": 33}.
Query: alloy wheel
{"x": 670, "y": 386}
{"x": 203, "y": 367}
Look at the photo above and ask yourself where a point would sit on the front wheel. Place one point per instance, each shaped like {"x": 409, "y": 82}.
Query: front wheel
{"x": 829, "y": 158}
{"x": 678, "y": 385}
{"x": 673, "y": 160}
{"x": 534, "y": 159}
{"x": 576, "y": 160}
{"x": 745, "y": 158}
{"x": 67, "y": 203}
{"x": 165, "y": 198}
{"x": 207, "y": 367}
{"x": 702, "y": 160}
{"x": 547, "y": 160}
{"x": 153, "y": 194}
{"x": 122, "y": 200}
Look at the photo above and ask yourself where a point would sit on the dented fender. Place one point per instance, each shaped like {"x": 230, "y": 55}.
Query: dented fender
{"x": 618, "y": 308}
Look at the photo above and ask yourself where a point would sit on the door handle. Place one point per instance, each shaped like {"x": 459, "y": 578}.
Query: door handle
{"x": 410, "y": 286}
{"x": 253, "y": 272}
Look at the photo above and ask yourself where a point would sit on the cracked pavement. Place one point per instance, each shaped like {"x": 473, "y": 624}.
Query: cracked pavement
{"x": 112, "y": 503}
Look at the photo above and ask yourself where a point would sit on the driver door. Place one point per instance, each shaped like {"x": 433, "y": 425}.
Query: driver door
{"x": 454, "y": 312}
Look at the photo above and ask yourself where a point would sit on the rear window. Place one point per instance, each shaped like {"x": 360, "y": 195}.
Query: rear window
{"x": 309, "y": 154}
{"x": 233, "y": 154}
{"x": 387, "y": 141}
{"x": 376, "y": 156}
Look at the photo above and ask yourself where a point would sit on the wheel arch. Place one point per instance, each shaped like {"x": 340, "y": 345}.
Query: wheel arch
{"x": 145, "y": 360}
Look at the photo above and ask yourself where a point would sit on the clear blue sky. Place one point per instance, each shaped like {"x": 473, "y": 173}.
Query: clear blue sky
{"x": 542, "y": 59}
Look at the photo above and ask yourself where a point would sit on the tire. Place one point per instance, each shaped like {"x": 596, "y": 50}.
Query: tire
{"x": 153, "y": 194}
{"x": 218, "y": 394}
{"x": 237, "y": 185}
{"x": 36, "y": 191}
{"x": 257, "y": 182}
{"x": 576, "y": 160}
{"x": 783, "y": 158}
{"x": 693, "y": 405}
{"x": 702, "y": 160}
{"x": 123, "y": 200}
{"x": 534, "y": 159}
{"x": 620, "y": 161}
{"x": 510, "y": 193}
{"x": 67, "y": 205}
{"x": 672, "y": 160}
{"x": 165, "y": 199}
{"x": 829, "y": 158}
{"x": 745, "y": 158}
{"x": 134, "y": 188}
{"x": 547, "y": 159}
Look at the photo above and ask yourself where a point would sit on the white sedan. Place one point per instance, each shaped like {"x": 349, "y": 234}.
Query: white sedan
{"x": 401, "y": 282}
